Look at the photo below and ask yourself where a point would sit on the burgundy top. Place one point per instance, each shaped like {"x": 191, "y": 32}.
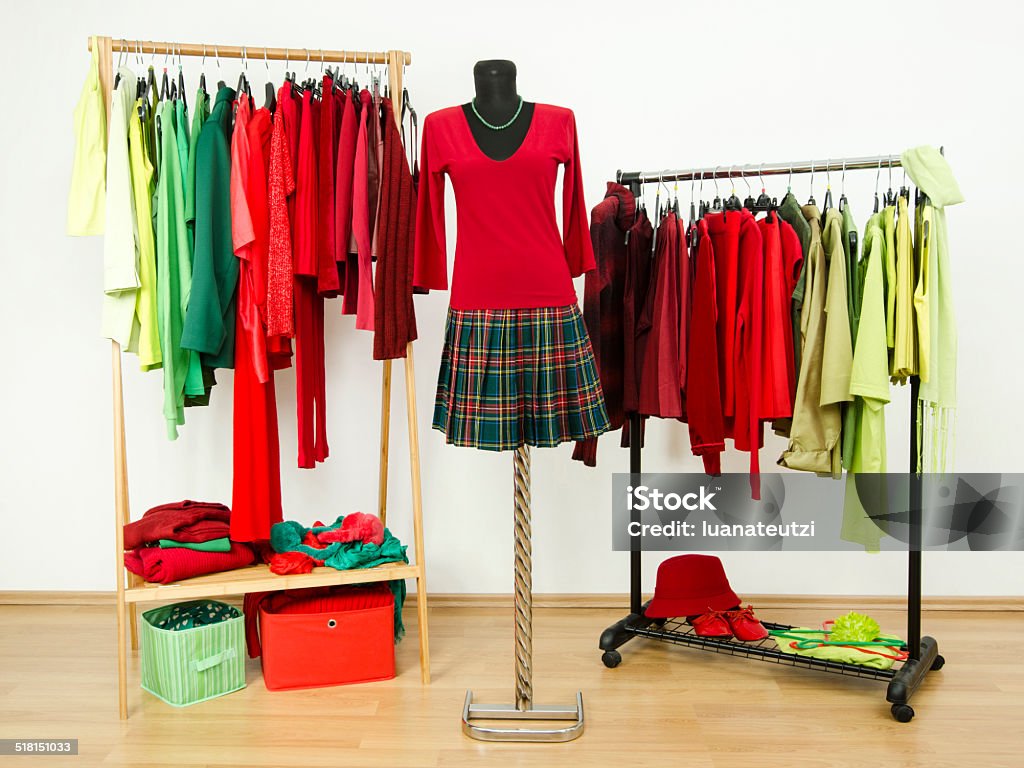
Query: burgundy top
{"x": 509, "y": 253}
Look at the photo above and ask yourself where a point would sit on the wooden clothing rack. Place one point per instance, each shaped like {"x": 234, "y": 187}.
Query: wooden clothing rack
{"x": 923, "y": 652}
{"x": 258, "y": 578}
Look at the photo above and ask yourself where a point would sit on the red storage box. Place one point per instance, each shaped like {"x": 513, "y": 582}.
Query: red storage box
{"x": 347, "y": 636}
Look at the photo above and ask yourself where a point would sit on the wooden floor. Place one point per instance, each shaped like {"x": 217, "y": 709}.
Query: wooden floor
{"x": 662, "y": 705}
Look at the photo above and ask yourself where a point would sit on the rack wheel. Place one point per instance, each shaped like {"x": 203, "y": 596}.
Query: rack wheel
{"x": 939, "y": 663}
{"x": 611, "y": 659}
{"x": 903, "y": 713}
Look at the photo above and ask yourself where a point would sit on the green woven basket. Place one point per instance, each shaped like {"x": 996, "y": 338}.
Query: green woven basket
{"x": 192, "y": 665}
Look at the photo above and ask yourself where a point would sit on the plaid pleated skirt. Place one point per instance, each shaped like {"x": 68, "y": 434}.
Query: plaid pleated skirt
{"x": 511, "y": 377}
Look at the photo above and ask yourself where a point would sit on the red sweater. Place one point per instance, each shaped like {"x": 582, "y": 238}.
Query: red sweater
{"x": 509, "y": 253}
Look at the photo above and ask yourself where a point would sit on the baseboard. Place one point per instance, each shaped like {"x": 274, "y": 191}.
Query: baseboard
{"x": 606, "y": 600}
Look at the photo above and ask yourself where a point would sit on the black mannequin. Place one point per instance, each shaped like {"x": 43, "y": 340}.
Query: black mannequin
{"x": 497, "y": 101}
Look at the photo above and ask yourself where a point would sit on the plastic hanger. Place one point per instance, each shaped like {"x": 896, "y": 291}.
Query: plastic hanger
{"x": 181, "y": 81}
{"x": 202, "y": 74}
{"x": 117, "y": 69}
{"x": 811, "y": 200}
{"x": 733, "y": 203}
{"x": 763, "y": 204}
{"x": 220, "y": 82}
{"x": 270, "y": 104}
{"x": 716, "y": 205}
{"x": 890, "y": 198}
{"x": 243, "y": 78}
{"x": 877, "y": 174}
{"x": 843, "y": 202}
{"x": 828, "y": 187}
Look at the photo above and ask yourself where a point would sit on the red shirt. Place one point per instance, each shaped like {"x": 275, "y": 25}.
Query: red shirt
{"x": 509, "y": 253}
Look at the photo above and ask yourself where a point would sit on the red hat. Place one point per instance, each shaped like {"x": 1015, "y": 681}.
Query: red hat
{"x": 689, "y": 585}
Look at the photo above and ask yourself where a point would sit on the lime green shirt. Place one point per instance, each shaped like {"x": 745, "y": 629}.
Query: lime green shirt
{"x": 150, "y": 356}
{"x": 904, "y": 363}
{"x": 869, "y": 378}
{"x": 87, "y": 193}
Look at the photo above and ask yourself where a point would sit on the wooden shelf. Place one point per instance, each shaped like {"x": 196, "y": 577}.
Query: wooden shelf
{"x": 258, "y": 578}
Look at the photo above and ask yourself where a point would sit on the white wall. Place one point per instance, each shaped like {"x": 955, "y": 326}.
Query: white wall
{"x": 652, "y": 86}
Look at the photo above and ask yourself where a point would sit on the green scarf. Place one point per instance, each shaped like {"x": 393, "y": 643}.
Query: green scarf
{"x": 344, "y": 556}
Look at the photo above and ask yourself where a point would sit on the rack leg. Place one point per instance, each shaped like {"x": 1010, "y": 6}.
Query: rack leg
{"x": 923, "y": 652}
{"x": 385, "y": 439}
{"x": 133, "y": 615}
{"x": 523, "y": 708}
{"x": 417, "y": 511}
{"x": 619, "y": 633}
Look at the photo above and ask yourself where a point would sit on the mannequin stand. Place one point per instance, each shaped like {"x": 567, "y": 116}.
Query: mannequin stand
{"x": 524, "y": 708}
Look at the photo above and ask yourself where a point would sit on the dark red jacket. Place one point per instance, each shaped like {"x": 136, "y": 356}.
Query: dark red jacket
{"x": 394, "y": 318}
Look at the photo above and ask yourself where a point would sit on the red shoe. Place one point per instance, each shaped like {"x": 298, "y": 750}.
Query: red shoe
{"x": 711, "y": 624}
{"x": 745, "y": 625}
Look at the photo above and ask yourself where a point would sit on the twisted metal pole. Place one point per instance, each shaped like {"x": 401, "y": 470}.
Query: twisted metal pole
{"x": 524, "y": 582}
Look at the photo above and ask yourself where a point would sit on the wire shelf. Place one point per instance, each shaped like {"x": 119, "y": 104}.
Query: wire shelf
{"x": 678, "y": 632}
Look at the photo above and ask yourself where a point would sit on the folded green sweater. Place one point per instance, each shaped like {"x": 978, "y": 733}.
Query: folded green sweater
{"x": 213, "y": 545}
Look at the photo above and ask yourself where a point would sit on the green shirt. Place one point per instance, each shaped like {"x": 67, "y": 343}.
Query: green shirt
{"x": 173, "y": 272}
{"x": 202, "y": 111}
{"x": 210, "y": 320}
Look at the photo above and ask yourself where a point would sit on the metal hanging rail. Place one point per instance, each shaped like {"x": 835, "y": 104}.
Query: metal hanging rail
{"x": 922, "y": 651}
{"x": 312, "y": 55}
{"x": 873, "y": 162}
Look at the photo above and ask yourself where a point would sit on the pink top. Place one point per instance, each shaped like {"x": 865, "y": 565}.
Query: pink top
{"x": 509, "y": 253}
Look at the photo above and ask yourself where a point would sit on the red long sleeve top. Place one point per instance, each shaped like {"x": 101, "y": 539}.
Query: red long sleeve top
{"x": 509, "y": 254}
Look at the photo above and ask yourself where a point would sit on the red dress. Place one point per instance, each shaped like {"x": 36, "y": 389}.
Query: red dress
{"x": 327, "y": 267}
{"x": 256, "y": 482}
{"x": 310, "y": 389}
{"x": 505, "y": 261}
{"x": 362, "y": 223}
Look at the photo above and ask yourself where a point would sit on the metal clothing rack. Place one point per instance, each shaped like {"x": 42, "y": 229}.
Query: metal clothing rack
{"x": 923, "y": 652}
{"x": 258, "y": 578}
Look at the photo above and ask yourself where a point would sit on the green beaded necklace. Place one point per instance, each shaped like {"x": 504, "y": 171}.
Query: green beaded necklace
{"x": 497, "y": 127}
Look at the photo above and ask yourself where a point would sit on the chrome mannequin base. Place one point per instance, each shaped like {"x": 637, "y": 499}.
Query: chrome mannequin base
{"x": 534, "y": 713}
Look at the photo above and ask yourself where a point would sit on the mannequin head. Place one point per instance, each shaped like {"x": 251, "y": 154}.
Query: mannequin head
{"x": 495, "y": 81}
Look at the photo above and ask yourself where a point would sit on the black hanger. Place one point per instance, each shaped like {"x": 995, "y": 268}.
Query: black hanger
{"x": 733, "y": 203}
{"x": 271, "y": 100}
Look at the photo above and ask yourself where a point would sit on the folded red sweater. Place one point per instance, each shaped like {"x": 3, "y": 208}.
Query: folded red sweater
{"x": 162, "y": 566}
{"x": 190, "y": 521}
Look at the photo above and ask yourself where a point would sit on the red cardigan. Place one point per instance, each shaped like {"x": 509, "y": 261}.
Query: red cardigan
{"x": 739, "y": 274}
{"x": 509, "y": 253}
